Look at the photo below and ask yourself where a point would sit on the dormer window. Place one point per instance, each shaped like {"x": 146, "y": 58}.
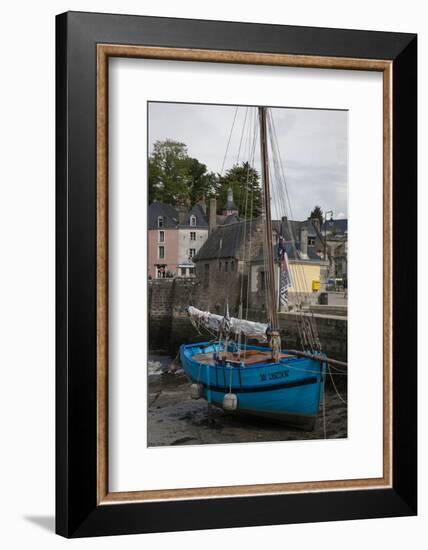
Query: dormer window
{"x": 192, "y": 221}
{"x": 160, "y": 221}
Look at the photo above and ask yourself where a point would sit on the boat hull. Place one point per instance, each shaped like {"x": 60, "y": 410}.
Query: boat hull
{"x": 288, "y": 391}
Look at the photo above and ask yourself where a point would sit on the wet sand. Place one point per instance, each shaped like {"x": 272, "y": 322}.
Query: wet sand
{"x": 174, "y": 418}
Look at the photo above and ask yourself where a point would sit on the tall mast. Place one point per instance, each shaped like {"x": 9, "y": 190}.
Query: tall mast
{"x": 270, "y": 275}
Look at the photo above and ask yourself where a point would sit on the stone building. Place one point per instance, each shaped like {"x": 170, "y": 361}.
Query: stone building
{"x": 175, "y": 235}
{"x": 222, "y": 263}
{"x": 162, "y": 241}
{"x": 192, "y": 233}
{"x": 336, "y": 238}
{"x": 230, "y": 265}
{"x": 337, "y": 252}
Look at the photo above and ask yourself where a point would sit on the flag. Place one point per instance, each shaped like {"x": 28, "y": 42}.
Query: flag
{"x": 226, "y": 323}
{"x": 285, "y": 278}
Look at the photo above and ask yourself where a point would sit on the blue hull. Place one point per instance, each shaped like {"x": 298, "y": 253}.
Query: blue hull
{"x": 289, "y": 391}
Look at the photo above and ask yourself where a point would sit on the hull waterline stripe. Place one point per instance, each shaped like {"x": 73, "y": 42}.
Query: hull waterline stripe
{"x": 256, "y": 389}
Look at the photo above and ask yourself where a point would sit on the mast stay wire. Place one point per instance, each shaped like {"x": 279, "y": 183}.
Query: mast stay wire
{"x": 313, "y": 322}
{"x": 303, "y": 330}
{"x": 308, "y": 321}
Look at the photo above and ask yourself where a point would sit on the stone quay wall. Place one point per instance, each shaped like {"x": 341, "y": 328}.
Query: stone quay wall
{"x": 169, "y": 325}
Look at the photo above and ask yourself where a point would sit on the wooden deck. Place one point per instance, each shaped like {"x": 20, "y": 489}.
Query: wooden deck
{"x": 249, "y": 357}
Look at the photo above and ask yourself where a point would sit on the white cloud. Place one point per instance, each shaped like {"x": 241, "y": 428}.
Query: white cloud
{"x": 312, "y": 142}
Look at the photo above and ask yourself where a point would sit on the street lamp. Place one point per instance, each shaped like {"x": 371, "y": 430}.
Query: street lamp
{"x": 325, "y": 230}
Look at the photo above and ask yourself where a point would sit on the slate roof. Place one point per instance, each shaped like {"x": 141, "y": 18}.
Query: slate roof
{"x": 225, "y": 220}
{"x": 291, "y": 253}
{"x": 169, "y": 214}
{"x": 226, "y": 240}
{"x": 291, "y": 229}
{"x": 340, "y": 226}
{"x": 174, "y": 219}
{"x": 201, "y": 217}
{"x": 230, "y": 205}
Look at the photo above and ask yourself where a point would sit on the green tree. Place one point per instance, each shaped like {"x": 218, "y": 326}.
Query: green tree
{"x": 203, "y": 184}
{"x": 168, "y": 177}
{"x": 175, "y": 178}
{"x": 317, "y": 213}
{"x": 245, "y": 183}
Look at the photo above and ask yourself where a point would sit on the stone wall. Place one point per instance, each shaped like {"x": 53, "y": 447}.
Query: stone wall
{"x": 332, "y": 332}
{"x": 217, "y": 284}
{"x": 169, "y": 325}
{"x": 160, "y": 298}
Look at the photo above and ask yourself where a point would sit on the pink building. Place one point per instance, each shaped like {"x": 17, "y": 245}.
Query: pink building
{"x": 162, "y": 252}
{"x": 174, "y": 238}
{"x": 176, "y": 235}
{"x": 162, "y": 240}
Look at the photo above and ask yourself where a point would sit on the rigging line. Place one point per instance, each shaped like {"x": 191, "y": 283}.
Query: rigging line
{"x": 242, "y": 135}
{"x": 246, "y": 222}
{"x": 239, "y": 201}
{"x": 338, "y": 371}
{"x": 264, "y": 141}
{"x": 228, "y": 142}
{"x": 249, "y": 275}
{"x": 313, "y": 322}
{"x": 334, "y": 386}
{"x": 241, "y": 227}
{"x": 323, "y": 414}
{"x": 309, "y": 324}
{"x": 221, "y": 173}
{"x": 265, "y": 277}
{"x": 249, "y": 268}
{"x": 280, "y": 200}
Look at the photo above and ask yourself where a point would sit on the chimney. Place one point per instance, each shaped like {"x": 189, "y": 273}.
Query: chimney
{"x": 283, "y": 230}
{"x": 212, "y": 220}
{"x": 182, "y": 214}
{"x": 304, "y": 243}
{"x": 229, "y": 207}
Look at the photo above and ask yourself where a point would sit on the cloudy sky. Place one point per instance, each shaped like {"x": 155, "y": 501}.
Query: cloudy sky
{"x": 313, "y": 146}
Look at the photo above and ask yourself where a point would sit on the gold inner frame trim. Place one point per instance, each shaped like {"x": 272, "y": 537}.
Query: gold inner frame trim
{"x": 104, "y": 51}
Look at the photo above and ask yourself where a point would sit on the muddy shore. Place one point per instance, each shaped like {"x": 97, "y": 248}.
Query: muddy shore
{"x": 174, "y": 418}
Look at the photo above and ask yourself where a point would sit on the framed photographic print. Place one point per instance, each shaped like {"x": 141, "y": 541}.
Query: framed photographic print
{"x": 236, "y": 274}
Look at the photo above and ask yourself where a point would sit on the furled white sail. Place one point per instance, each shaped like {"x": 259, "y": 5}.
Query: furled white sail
{"x": 251, "y": 329}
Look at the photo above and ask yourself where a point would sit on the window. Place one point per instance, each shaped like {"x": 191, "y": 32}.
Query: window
{"x": 192, "y": 252}
{"x": 311, "y": 241}
{"x": 161, "y": 236}
{"x": 206, "y": 275}
{"x": 192, "y": 221}
{"x": 183, "y": 271}
{"x": 219, "y": 265}
{"x": 191, "y": 270}
{"x": 262, "y": 280}
{"x": 225, "y": 265}
{"x": 232, "y": 265}
{"x": 160, "y": 221}
{"x": 193, "y": 235}
{"x": 160, "y": 272}
{"x": 161, "y": 252}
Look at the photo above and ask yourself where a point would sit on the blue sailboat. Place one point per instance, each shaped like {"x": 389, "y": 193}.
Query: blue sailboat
{"x": 288, "y": 390}
{"x": 260, "y": 378}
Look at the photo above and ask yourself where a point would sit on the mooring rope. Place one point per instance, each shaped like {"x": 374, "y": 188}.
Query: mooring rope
{"x": 334, "y": 386}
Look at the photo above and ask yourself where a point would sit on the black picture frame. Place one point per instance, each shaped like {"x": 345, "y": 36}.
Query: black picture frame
{"x": 77, "y": 511}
